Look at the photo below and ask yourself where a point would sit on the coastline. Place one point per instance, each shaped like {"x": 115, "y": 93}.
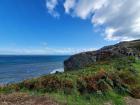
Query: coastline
{"x": 61, "y": 70}
{"x": 15, "y": 69}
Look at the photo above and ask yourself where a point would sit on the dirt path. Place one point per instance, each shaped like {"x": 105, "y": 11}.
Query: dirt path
{"x": 25, "y": 99}
{"x": 132, "y": 101}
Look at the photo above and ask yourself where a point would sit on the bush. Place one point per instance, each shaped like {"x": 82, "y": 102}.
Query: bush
{"x": 29, "y": 84}
{"x": 81, "y": 86}
{"x": 67, "y": 86}
{"x": 93, "y": 83}
{"x": 128, "y": 78}
{"x": 14, "y": 87}
{"x": 50, "y": 83}
{"x": 102, "y": 85}
{"x": 118, "y": 84}
{"x": 136, "y": 92}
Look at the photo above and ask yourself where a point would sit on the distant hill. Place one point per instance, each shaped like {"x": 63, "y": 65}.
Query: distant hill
{"x": 81, "y": 60}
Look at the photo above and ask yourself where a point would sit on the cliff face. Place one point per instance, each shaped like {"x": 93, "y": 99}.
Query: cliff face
{"x": 81, "y": 60}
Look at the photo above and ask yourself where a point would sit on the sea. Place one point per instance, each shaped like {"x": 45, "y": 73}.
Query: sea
{"x": 16, "y": 68}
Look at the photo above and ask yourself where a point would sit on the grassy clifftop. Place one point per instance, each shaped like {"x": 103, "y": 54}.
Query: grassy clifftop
{"x": 100, "y": 83}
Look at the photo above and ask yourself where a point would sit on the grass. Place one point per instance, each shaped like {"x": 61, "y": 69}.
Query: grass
{"x": 137, "y": 66}
{"x": 100, "y": 83}
{"x": 89, "y": 99}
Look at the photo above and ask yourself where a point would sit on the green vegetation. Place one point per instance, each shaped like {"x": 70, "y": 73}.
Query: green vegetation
{"x": 101, "y": 83}
{"x": 89, "y": 99}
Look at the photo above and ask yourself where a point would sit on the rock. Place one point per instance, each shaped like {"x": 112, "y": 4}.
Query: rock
{"x": 81, "y": 60}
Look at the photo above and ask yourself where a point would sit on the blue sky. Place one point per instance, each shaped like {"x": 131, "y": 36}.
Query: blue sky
{"x": 50, "y": 27}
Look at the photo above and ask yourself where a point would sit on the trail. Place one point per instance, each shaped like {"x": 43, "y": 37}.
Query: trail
{"x": 25, "y": 99}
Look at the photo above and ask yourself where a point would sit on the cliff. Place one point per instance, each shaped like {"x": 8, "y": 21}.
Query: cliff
{"x": 81, "y": 60}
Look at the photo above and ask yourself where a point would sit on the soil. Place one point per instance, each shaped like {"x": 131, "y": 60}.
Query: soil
{"x": 25, "y": 99}
{"x": 132, "y": 101}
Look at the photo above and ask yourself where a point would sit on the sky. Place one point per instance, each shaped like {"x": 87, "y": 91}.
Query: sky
{"x": 60, "y": 27}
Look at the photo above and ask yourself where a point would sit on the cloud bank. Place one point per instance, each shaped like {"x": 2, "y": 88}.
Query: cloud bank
{"x": 42, "y": 51}
{"x": 116, "y": 19}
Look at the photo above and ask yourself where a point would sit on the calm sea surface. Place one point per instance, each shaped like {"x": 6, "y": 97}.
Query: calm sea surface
{"x": 18, "y": 68}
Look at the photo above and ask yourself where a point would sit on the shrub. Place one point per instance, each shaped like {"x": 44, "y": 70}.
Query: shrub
{"x": 14, "y": 87}
{"x": 118, "y": 84}
{"x": 50, "y": 83}
{"x": 102, "y": 85}
{"x": 101, "y": 74}
{"x": 29, "y": 84}
{"x": 128, "y": 78}
{"x": 81, "y": 86}
{"x": 67, "y": 86}
{"x": 93, "y": 83}
{"x": 136, "y": 92}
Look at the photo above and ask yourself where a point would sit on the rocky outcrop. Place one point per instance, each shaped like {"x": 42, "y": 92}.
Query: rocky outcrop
{"x": 84, "y": 59}
{"x": 81, "y": 60}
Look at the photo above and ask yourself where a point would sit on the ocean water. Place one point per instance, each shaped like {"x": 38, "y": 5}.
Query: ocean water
{"x": 17, "y": 68}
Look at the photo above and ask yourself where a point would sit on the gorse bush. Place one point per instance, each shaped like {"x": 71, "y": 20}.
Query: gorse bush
{"x": 103, "y": 82}
{"x": 50, "y": 83}
{"x": 93, "y": 83}
{"x": 47, "y": 84}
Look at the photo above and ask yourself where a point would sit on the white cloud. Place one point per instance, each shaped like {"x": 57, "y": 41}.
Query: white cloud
{"x": 109, "y": 33}
{"x": 86, "y": 8}
{"x": 68, "y": 5}
{"x": 51, "y": 5}
{"x": 42, "y": 51}
{"x": 120, "y": 16}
